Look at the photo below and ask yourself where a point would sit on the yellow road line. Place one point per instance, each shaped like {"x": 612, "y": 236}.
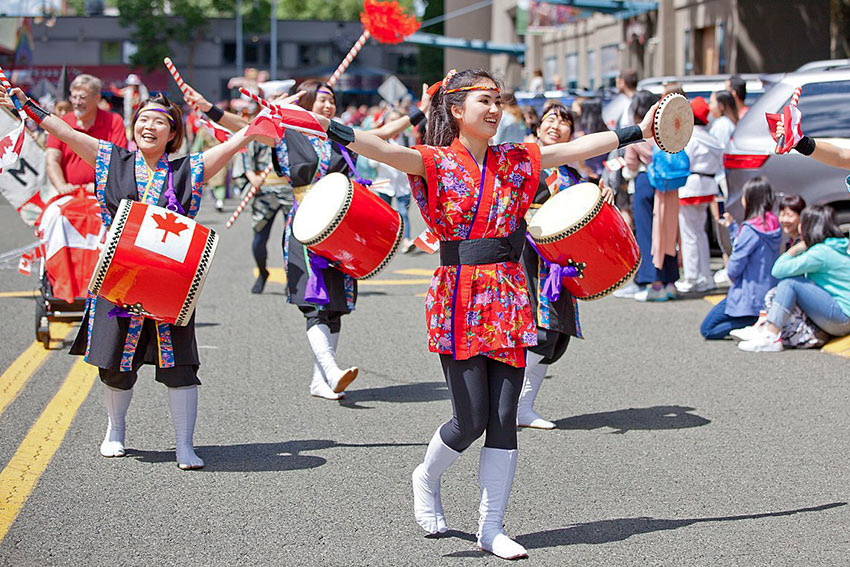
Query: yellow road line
{"x": 414, "y": 272}
{"x": 15, "y": 377}
{"x": 29, "y": 462}
{"x": 840, "y": 347}
{"x": 30, "y": 293}
{"x": 714, "y": 299}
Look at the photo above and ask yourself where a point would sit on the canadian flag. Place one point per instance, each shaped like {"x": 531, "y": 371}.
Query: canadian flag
{"x": 427, "y": 242}
{"x": 285, "y": 116}
{"x": 11, "y": 146}
{"x": 71, "y": 231}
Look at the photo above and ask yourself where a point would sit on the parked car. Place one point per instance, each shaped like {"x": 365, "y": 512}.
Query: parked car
{"x": 704, "y": 85}
{"x": 823, "y": 103}
{"x": 825, "y": 65}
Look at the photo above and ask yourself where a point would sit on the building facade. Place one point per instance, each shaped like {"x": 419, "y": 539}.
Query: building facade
{"x": 305, "y": 49}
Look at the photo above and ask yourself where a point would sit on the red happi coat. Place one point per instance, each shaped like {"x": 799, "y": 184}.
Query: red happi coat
{"x": 478, "y": 309}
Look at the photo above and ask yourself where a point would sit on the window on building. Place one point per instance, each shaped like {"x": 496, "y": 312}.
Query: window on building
{"x": 610, "y": 63}
{"x": 706, "y": 60}
{"x": 689, "y": 65}
{"x": 128, "y": 50}
{"x": 591, "y": 68}
{"x": 110, "y": 53}
{"x": 251, "y": 52}
{"x": 571, "y": 79}
{"x": 550, "y": 71}
{"x": 314, "y": 54}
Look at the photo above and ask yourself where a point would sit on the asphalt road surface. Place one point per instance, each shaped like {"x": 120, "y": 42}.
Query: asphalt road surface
{"x": 669, "y": 450}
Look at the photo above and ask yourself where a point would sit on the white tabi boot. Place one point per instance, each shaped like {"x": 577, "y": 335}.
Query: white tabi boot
{"x": 535, "y": 372}
{"x": 319, "y": 387}
{"x": 117, "y": 403}
{"x": 427, "y": 505}
{"x": 323, "y": 348}
{"x": 496, "y": 469}
{"x": 184, "y": 409}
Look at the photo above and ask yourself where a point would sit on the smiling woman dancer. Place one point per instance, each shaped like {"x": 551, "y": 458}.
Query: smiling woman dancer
{"x": 120, "y": 345}
{"x": 474, "y": 197}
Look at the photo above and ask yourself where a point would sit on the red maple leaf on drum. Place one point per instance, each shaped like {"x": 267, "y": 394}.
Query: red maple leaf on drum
{"x": 169, "y": 224}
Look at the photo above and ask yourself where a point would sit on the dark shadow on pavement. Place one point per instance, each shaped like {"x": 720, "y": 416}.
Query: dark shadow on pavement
{"x": 401, "y": 393}
{"x": 260, "y": 457}
{"x": 653, "y": 419}
{"x": 368, "y": 293}
{"x": 206, "y": 324}
{"x": 607, "y": 531}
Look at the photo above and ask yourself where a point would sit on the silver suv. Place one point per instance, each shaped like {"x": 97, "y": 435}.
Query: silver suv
{"x": 825, "y": 106}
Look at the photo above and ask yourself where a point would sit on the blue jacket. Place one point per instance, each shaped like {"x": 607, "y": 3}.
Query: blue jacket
{"x": 755, "y": 250}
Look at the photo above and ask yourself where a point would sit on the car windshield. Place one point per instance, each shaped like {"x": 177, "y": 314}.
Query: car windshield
{"x": 824, "y": 109}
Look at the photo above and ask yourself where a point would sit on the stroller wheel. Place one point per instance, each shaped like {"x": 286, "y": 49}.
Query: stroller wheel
{"x": 42, "y": 323}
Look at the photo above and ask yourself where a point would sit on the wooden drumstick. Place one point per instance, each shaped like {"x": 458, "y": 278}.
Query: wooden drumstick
{"x": 248, "y": 196}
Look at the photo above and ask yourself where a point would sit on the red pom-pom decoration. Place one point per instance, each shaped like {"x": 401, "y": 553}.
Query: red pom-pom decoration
{"x": 386, "y": 22}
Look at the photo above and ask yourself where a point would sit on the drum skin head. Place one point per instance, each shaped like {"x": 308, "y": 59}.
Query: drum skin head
{"x": 673, "y": 123}
{"x": 563, "y": 210}
{"x": 320, "y": 207}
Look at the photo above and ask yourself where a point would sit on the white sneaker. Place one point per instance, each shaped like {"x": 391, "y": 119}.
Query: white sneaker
{"x": 704, "y": 284}
{"x": 765, "y": 341}
{"x": 747, "y": 333}
{"x": 685, "y": 286}
{"x": 627, "y": 291}
{"x": 720, "y": 277}
{"x": 406, "y": 245}
{"x": 649, "y": 293}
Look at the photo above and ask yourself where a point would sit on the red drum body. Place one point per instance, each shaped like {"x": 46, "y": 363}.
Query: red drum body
{"x": 343, "y": 221}
{"x": 154, "y": 262}
{"x": 576, "y": 228}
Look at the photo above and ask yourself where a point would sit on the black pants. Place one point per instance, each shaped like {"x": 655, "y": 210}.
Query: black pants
{"x": 333, "y": 319}
{"x": 484, "y": 396}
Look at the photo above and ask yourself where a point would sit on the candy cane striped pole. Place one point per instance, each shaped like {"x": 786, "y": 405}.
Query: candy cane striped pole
{"x": 8, "y": 87}
{"x": 248, "y": 196}
{"x": 349, "y": 57}
{"x": 256, "y": 98}
{"x": 795, "y": 98}
{"x": 178, "y": 79}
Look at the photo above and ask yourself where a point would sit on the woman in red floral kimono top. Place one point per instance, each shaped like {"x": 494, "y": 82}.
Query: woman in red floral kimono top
{"x": 474, "y": 197}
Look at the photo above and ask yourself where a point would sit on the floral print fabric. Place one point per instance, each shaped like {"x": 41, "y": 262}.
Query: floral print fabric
{"x": 478, "y": 309}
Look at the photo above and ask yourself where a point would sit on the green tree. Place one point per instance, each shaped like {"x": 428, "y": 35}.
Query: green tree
{"x": 431, "y": 59}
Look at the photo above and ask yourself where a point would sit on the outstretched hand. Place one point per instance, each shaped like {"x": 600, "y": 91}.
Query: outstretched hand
{"x": 6, "y": 100}
{"x": 425, "y": 101}
{"x": 646, "y": 123}
{"x": 194, "y": 99}
{"x": 289, "y": 99}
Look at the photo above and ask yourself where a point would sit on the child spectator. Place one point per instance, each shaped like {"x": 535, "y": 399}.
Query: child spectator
{"x": 790, "y": 208}
{"x": 814, "y": 275}
{"x": 755, "y": 249}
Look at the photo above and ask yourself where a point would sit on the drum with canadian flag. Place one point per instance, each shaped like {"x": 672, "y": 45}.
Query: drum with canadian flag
{"x": 154, "y": 262}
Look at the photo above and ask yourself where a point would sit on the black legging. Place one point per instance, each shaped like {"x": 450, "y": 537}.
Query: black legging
{"x": 258, "y": 246}
{"x": 484, "y": 396}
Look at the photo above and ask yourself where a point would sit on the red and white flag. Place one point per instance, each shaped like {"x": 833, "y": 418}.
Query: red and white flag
{"x": 11, "y": 146}
{"x": 427, "y": 242}
{"x": 615, "y": 164}
{"x": 71, "y": 232}
{"x": 273, "y": 123}
{"x": 25, "y": 264}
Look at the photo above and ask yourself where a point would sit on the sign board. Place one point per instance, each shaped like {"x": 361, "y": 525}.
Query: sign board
{"x": 392, "y": 90}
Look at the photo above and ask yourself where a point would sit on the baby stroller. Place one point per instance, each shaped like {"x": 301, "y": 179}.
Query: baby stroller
{"x": 70, "y": 231}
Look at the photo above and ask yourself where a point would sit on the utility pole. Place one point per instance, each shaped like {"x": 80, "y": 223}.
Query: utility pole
{"x": 273, "y": 47}
{"x": 240, "y": 47}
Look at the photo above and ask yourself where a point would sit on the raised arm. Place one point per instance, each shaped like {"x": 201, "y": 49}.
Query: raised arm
{"x": 81, "y": 144}
{"x": 820, "y": 150}
{"x": 591, "y": 145}
{"x": 217, "y": 157}
{"x": 392, "y": 129}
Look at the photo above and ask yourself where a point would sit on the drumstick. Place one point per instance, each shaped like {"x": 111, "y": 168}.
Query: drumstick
{"x": 179, "y": 80}
{"x": 248, "y": 196}
{"x": 258, "y": 99}
{"x": 349, "y": 57}
{"x": 795, "y": 98}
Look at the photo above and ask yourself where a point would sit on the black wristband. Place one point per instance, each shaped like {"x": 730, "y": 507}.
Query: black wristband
{"x": 806, "y": 145}
{"x": 35, "y": 112}
{"x": 340, "y": 133}
{"x": 215, "y": 113}
{"x": 629, "y": 135}
{"x": 416, "y": 116}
